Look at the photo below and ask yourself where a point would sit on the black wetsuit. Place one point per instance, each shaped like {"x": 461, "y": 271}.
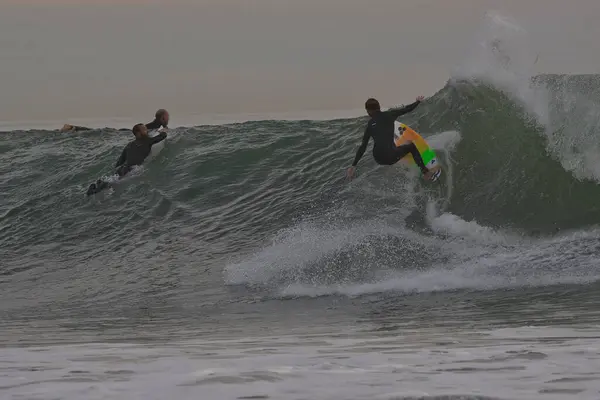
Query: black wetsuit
{"x": 136, "y": 152}
{"x": 133, "y": 154}
{"x": 385, "y": 151}
{"x": 156, "y": 124}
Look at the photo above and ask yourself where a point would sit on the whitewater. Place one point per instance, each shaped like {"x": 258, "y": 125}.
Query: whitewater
{"x": 238, "y": 263}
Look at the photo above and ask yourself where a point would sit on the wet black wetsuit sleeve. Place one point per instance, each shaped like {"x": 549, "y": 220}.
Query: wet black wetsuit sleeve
{"x": 397, "y": 112}
{"x": 80, "y": 128}
{"x": 363, "y": 147}
{"x": 158, "y": 138}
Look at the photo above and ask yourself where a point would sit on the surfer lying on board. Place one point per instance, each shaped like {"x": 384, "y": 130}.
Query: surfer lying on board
{"x": 161, "y": 120}
{"x": 133, "y": 154}
{"x": 73, "y": 128}
{"x": 381, "y": 128}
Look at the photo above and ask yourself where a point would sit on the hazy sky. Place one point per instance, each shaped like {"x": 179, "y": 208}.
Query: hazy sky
{"x": 70, "y": 59}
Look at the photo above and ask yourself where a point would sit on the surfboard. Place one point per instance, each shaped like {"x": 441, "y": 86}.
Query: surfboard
{"x": 403, "y": 134}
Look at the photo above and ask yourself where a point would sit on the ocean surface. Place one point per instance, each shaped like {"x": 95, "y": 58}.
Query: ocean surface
{"x": 238, "y": 263}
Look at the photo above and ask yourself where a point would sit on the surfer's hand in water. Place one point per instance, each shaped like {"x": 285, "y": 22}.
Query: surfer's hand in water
{"x": 350, "y": 173}
{"x": 420, "y": 98}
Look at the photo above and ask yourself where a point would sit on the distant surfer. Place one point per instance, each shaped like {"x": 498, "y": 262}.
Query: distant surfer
{"x": 381, "y": 128}
{"x": 132, "y": 155}
{"x": 161, "y": 120}
{"x": 73, "y": 128}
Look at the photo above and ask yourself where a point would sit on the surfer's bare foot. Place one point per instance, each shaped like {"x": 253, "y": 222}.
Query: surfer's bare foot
{"x": 430, "y": 174}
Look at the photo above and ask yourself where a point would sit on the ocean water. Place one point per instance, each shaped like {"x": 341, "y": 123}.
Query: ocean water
{"x": 238, "y": 263}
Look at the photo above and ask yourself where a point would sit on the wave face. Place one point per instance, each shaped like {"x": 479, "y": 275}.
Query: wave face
{"x": 265, "y": 204}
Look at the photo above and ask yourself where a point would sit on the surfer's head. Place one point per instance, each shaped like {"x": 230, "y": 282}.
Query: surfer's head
{"x": 372, "y": 106}
{"x": 140, "y": 131}
{"x": 162, "y": 116}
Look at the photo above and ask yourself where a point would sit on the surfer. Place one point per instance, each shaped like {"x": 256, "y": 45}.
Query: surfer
{"x": 161, "y": 120}
{"x": 137, "y": 150}
{"x": 133, "y": 154}
{"x": 73, "y": 128}
{"x": 381, "y": 128}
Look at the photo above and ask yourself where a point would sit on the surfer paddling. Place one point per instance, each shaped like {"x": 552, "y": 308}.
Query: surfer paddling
{"x": 137, "y": 150}
{"x": 73, "y": 128}
{"x": 161, "y": 120}
{"x": 133, "y": 154}
{"x": 381, "y": 128}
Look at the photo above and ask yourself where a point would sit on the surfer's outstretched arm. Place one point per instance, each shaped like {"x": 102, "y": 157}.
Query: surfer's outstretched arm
{"x": 397, "y": 112}
{"x": 363, "y": 147}
{"x": 159, "y": 138}
{"x": 359, "y": 153}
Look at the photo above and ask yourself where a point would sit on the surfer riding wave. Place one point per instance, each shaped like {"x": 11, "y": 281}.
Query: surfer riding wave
{"x": 381, "y": 128}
